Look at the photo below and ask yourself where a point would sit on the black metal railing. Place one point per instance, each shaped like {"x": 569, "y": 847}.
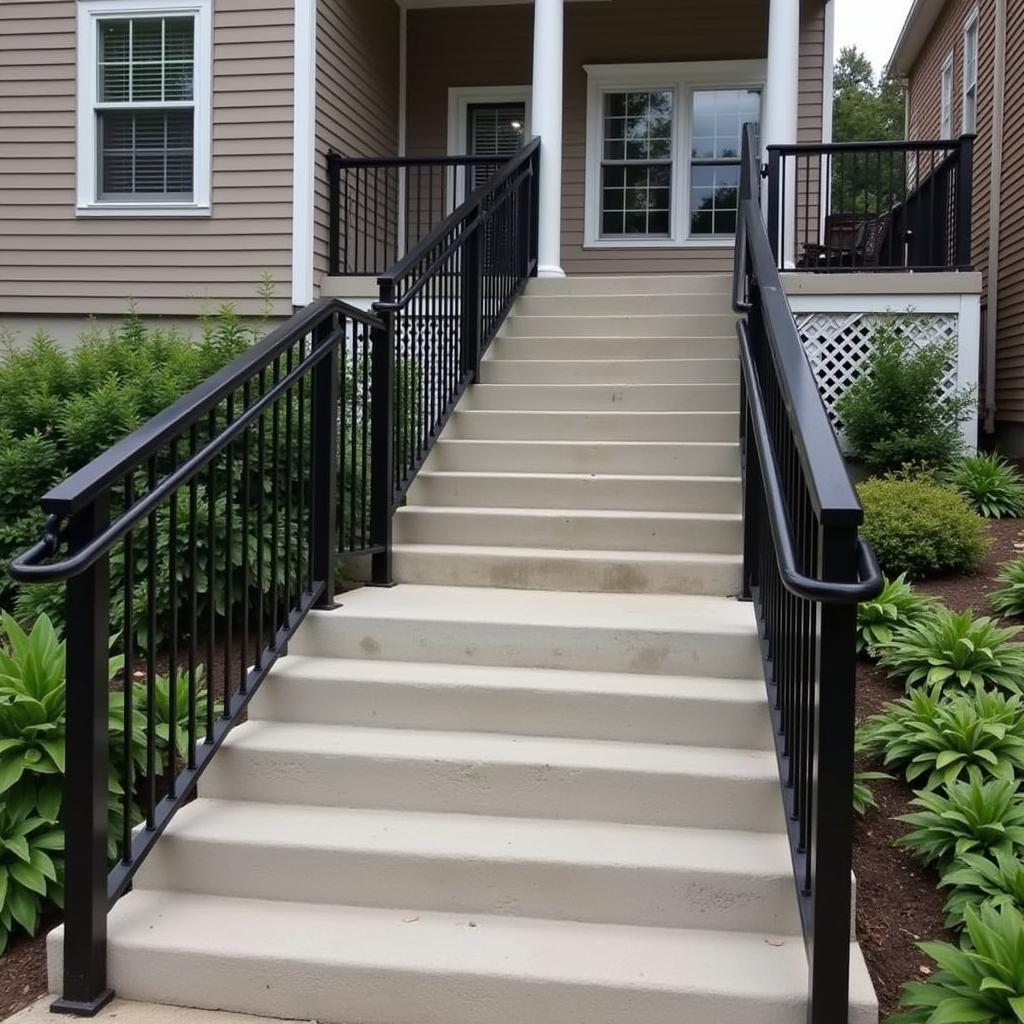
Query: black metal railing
{"x": 195, "y": 547}
{"x": 381, "y": 207}
{"x": 871, "y": 206}
{"x": 805, "y": 569}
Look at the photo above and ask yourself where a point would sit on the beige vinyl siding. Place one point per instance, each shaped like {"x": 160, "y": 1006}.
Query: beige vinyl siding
{"x": 357, "y": 93}
{"x": 488, "y": 46}
{"x": 52, "y": 262}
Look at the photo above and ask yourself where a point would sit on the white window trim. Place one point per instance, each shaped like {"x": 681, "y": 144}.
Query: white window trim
{"x": 460, "y": 99}
{"x": 972, "y": 21}
{"x": 89, "y": 13}
{"x": 949, "y": 69}
{"x": 682, "y": 79}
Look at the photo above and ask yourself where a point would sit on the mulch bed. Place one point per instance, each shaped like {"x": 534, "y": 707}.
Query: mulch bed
{"x": 23, "y": 972}
{"x": 898, "y": 903}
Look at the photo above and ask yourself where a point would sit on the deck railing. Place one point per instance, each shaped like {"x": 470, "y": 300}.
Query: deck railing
{"x": 380, "y": 208}
{"x": 225, "y": 517}
{"x": 871, "y": 206}
{"x": 805, "y": 569}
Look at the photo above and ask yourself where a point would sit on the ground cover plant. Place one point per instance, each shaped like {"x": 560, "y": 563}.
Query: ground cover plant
{"x": 897, "y": 606}
{"x": 994, "y": 488}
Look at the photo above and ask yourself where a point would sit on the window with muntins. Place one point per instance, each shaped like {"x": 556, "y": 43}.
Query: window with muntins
{"x": 971, "y": 75}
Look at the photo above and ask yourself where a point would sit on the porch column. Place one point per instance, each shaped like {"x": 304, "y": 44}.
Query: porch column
{"x": 547, "y": 123}
{"x": 782, "y": 97}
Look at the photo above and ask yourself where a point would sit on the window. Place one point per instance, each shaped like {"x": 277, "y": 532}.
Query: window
{"x": 144, "y": 120}
{"x": 663, "y": 151}
{"x": 494, "y": 129}
{"x": 718, "y": 118}
{"x": 636, "y": 163}
{"x": 946, "y": 101}
{"x": 971, "y": 74}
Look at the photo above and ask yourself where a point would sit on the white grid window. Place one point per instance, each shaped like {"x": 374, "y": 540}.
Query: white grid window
{"x": 946, "y": 99}
{"x": 971, "y": 75}
{"x": 144, "y": 117}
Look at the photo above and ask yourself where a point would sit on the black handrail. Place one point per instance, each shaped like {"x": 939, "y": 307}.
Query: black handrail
{"x": 805, "y": 569}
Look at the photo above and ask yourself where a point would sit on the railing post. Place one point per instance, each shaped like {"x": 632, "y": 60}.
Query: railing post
{"x": 774, "y": 200}
{"x": 535, "y": 213}
{"x": 472, "y": 283}
{"x": 831, "y": 853}
{"x": 325, "y": 461}
{"x": 334, "y": 213}
{"x": 84, "y": 811}
{"x": 964, "y": 194}
{"x": 382, "y": 434}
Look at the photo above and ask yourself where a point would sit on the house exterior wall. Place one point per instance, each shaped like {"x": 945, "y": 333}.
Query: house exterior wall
{"x": 53, "y": 262}
{"x": 493, "y": 46}
{"x": 356, "y": 94}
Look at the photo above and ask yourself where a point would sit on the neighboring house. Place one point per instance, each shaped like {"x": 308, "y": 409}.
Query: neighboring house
{"x": 173, "y": 151}
{"x": 958, "y": 61}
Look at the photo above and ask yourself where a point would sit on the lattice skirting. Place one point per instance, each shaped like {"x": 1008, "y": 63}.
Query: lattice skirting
{"x": 837, "y": 346}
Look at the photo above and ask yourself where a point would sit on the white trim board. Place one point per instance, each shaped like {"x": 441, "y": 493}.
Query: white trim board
{"x": 89, "y": 13}
{"x": 304, "y": 152}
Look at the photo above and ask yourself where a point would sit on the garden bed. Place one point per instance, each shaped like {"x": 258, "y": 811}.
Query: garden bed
{"x": 898, "y": 903}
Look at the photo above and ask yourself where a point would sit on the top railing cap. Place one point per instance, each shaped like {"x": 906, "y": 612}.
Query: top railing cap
{"x": 898, "y": 145}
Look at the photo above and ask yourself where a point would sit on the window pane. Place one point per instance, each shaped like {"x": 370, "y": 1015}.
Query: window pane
{"x": 718, "y": 119}
{"x": 714, "y": 198}
{"x": 638, "y": 126}
{"x": 146, "y": 153}
{"x": 146, "y": 60}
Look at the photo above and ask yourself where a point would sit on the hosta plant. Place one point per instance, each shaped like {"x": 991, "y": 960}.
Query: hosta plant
{"x": 982, "y": 983}
{"x": 938, "y": 739}
{"x": 993, "y": 487}
{"x": 863, "y": 797}
{"x": 897, "y": 606}
{"x": 1008, "y": 599}
{"x": 973, "y": 880}
{"x": 30, "y": 867}
{"x": 971, "y": 816}
{"x": 956, "y": 650}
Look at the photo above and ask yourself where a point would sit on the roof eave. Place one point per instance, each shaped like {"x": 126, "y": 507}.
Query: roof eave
{"x": 916, "y": 29}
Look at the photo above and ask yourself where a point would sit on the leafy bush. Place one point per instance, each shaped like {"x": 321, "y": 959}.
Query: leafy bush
{"x": 951, "y": 649}
{"x": 942, "y": 739}
{"x": 1009, "y": 598}
{"x": 994, "y": 488}
{"x": 982, "y": 983}
{"x": 897, "y": 605}
{"x": 897, "y": 413}
{"x": 970, "y": 816}
{"x": 920, "y": 528}
{"x": 863, "y": 797}
{"x": 977, "y": 880}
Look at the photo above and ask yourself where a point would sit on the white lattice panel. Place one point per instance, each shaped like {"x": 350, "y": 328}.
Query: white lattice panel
{"x": 837, "y": 345}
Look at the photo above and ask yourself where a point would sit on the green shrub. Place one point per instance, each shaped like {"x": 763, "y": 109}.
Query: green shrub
{"x": 975, "y": 880}
{"x": 897, "y": 605}
{"x": 863, "y": 797}
{"x": 941, "y": 739}
{"x": 920, "y": 528}
{"x": 982, "y": 983}
{"x": 1009, "y": 598}
{"x": 897, "y": 413}
{"x": 994, "y": 488}
{"x": 956, "y": 650}
{"x": 974, "y": 815}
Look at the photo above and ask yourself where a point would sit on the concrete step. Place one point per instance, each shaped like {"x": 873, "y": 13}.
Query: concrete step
{"x": 662, "y": 634}
{"x": 505, "y": 347}
{"x": 498, "y": 774}
{"x": 664, "y": 458}
{"x": 542, "y": 702}
{"x": 571, "y": 529}
{"x": 477, "y": 864}
{"x": 632, "y": 284}
{"x": 565, "y": 490}
{"x": 348, "y": 965}
{"x": 604, "y": 397}
{"x": 610, "y": 371}
{"x": 502, "y": 425}
{"x": 532, "y": 568}
{"x": 621, "y": 326}
{"x": 617, "y": 305}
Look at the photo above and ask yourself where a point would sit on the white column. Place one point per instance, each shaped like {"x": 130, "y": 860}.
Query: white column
{"x": 547, "y": 123}
{"x": 782, "y": 97}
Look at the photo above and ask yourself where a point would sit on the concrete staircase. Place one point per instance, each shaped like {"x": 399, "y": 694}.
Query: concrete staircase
{"x": 535, "y": 782}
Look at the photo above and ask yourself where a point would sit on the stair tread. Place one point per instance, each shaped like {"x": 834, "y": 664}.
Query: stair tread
{"x": 443, "y": 746}
{"x": 473, "y": 837}
{"x": 431, "y": 943}
{"x": 629, "y": 478}
{"x": 582, "y": 513}
{"x": 574, "y": 554}
{"x": 583, "y": 443}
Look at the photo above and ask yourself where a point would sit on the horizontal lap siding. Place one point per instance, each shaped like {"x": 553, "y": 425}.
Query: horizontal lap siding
{"x": 52, "y": 262}
{"x": 357, "y": 92}
{"x": 493, "y": 46}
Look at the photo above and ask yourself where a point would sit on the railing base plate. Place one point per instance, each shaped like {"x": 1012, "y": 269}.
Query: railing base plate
{"x": 78, "y": 1008}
